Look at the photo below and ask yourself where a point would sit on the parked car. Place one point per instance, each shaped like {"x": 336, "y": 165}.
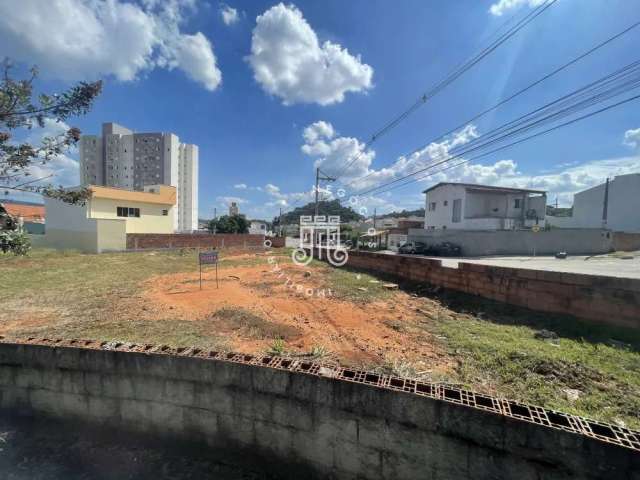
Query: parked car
{"x": 444, "y": 249}
{"x": 413, "y": 248}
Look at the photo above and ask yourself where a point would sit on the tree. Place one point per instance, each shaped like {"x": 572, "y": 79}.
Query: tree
{"x": 229, "y": 224}
{"x": 325, "y": 207}
{"x": 19, "y": 111}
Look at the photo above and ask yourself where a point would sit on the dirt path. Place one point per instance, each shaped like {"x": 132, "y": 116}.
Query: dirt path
{"x": 358, "y": 333}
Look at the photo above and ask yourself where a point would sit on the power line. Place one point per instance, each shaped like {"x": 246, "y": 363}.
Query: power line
{"x": 514, "y": 95}
{"x": 575, "y": 120}
{"x": 454, "y": 75}
{"x": 600, "y": 91}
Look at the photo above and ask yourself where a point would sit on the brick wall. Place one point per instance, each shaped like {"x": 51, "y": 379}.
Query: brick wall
{"x": 305, "y": 420}
{"x": 277, "y": 242}
{"x": 606, "y": 300}
{"x": 626, "y": 242}
{"x": 144, "y": 241}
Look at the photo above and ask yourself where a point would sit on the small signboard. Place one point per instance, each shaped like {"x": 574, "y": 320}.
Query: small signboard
{"x": 208, "y": 258}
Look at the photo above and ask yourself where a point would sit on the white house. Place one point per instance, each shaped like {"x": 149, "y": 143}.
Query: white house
{"x": 258, "y": 227}
{"x": 108, "y": 215}
{"x": 396, "y": 222}
{"x": 465, "y": 206}
{"x": 622, "y": 201}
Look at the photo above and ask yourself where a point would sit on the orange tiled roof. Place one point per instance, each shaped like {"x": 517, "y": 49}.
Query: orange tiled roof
{"x": 30, "y": 213}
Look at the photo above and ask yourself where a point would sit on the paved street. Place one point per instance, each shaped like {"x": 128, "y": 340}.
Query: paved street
{"x": 593, "y": 265}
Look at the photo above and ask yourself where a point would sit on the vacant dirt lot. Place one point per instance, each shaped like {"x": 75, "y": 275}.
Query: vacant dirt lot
{"x": 265, "y": 303}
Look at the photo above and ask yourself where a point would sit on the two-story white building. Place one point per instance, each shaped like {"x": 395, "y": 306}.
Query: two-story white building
{"x": 467, "y": 206}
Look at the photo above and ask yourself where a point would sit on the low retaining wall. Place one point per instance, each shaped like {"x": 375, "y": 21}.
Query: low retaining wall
{"x": 606, "y": 300}
{"x": 626, "y": 242}
{"x": 147, "y": 241}
{"x": 576, "y": 241}
{"x": 305, "y": 420}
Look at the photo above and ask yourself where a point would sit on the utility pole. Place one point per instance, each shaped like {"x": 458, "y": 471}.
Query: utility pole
{"x": 319, "y": 176}
{"x": 375, "y": 232}
{"x": 605, "y": 204}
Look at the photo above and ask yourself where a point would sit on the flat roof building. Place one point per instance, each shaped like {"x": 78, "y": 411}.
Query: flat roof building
{"x": 467, "y": 206}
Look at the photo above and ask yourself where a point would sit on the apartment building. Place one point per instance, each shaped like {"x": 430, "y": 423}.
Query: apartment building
{"x": 128, "y": 160}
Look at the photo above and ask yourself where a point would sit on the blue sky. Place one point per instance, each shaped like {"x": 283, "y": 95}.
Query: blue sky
{"x": 266, "y": 99}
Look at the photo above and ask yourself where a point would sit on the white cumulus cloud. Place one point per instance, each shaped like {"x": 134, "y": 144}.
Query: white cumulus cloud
{"x": 562, "y": 182}
{"x": 86, "y": 39}
{"x": 289, "y": 61}
{"x": 226, "y": 201}
{"x": 502, "y": 6}
{"x": 240, "y": 186}
{"x": 334, "y": 153}
{"x": 229, "y": 15}
{"x": 632, "y": 138}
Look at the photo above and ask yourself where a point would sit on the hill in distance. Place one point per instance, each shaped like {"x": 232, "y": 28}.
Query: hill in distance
{"x": 333, "y": 207}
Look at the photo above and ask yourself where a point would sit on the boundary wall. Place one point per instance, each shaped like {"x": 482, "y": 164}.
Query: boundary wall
{"x": 602, "y": 299}
{"x": 305, "y": 420}
{"x": 155, "y": 241}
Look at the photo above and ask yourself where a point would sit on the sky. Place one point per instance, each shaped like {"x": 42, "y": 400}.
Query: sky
{"x": 269, "y": 91}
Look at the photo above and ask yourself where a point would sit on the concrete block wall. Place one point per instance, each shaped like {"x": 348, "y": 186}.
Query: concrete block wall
{"x": 304, "y": 420}
{"x": 605, "y": 300}
{"x": 147, "y": 241}
{"x": 575, "y": 241}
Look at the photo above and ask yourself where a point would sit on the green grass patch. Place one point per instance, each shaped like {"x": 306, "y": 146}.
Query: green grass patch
{"x": 507, "y": 360}
{"x": 355, "y": 286}
{"x": 162, "y": 332}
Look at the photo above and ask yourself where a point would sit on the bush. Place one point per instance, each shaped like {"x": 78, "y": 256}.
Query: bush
{"x": 15, "y": 241}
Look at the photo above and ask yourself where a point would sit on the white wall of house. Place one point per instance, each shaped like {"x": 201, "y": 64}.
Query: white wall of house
{"x": 439, "y": 207}
{"x": 396, "y": 240}
{"x": 258, "y": 228}
{"x": 623, "y": 212}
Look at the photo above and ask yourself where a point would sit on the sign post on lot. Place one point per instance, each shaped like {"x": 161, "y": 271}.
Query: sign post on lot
{"x": 208, "y": 258}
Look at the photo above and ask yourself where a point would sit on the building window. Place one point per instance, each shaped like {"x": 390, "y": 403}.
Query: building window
{"x": 165, "y": 213}
{"x": 446, "y": 202}
{"x": 516, "y": 203}
{"x": 128, "y": 212}
{"x": 432, "y": 207}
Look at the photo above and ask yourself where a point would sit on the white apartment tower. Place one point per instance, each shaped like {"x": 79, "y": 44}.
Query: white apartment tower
{"x": 123, "y": 159}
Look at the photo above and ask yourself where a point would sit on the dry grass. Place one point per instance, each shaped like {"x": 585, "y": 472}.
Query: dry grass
{"x": 492, "y": 348}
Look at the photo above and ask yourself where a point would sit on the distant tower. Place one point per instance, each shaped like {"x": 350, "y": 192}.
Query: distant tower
{"x": 233, "y": 209}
